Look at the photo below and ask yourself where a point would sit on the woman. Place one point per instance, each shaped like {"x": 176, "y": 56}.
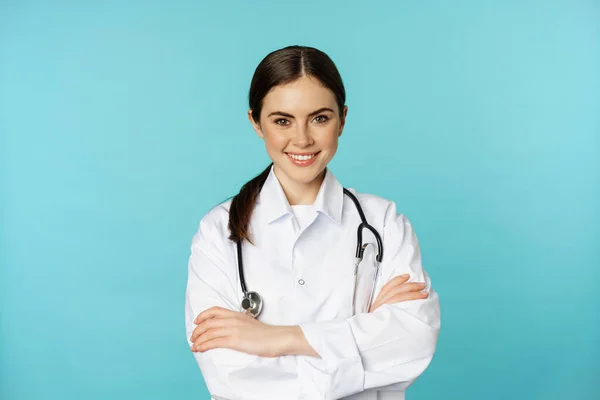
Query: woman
{"x": 311, "y": 339}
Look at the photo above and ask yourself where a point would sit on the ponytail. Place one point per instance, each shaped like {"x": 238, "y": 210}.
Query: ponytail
{"x": 242, "y": 206}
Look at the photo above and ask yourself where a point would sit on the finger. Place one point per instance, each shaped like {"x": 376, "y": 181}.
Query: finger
{"x": 400, "y": 298}
{"x": 209, "y": 324}
{"x": 217, "y": 343}
{"x": 209, "y": 313}
{"x": 409, "y": 287}
{"x": 403, "y": 288}
{"x": 398, "y": 280}
{"x": 212, "y": 313}
{"x": 407, "y": 297}
{"x": 209, "y": 335}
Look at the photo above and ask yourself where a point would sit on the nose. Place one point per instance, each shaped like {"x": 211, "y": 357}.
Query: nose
{"x": 303, "y": 137}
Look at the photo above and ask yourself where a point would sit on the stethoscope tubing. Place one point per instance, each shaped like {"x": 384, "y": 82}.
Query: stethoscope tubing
{"x": 252, "y": 302}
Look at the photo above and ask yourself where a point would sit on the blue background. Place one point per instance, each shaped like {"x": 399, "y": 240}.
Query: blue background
{"x": 122, "y": 123}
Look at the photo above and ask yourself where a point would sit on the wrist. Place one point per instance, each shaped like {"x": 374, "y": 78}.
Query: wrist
{"x": 288, "y": 337}
{"x": 295, "y": 343}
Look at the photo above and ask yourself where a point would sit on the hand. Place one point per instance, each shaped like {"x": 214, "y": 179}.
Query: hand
{"x": 398, "y": 290}
{"x": 222, "y": 328}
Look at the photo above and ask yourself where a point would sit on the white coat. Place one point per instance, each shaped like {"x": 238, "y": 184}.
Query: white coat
{"x": 304, "y": 274}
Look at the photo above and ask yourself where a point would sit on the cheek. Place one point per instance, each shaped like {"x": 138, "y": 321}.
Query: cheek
{"x": 275, "y": 141}
{"x": 330, "y": 140}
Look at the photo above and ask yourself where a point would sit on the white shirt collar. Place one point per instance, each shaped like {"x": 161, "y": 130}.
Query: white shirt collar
{"x": 272, "y": 203}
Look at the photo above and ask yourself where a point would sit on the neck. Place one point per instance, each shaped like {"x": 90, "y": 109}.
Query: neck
{"x": 299, "y": 193}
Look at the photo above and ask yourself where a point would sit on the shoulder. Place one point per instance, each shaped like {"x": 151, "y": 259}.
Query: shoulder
{"x": 213, "y": 225}
{"x": 395, "y": 229}
{"x": 378, "y": 208}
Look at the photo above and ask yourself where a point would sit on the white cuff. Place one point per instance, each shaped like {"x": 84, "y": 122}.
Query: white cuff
{"x": 339, "y": 372}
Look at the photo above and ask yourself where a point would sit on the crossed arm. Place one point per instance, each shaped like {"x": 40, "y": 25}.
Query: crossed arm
{"x": 390, "y": 345}
{"x": 219, "y": 327}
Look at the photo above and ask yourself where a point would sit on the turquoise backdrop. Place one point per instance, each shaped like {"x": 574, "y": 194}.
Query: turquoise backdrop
{"x": 123, "y": 122}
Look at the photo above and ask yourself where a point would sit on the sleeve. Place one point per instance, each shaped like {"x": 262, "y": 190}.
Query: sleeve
{"x": 228, "y": 374}
{"x": 389, "y": 348}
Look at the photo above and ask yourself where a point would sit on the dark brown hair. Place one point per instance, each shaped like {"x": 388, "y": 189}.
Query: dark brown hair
{"x": 278, "y": 68}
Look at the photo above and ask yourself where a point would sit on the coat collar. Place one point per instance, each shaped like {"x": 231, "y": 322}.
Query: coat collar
{"x": 273, "y": 204}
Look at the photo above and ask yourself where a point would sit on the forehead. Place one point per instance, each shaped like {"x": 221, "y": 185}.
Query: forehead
{"x": 301, "y": 96}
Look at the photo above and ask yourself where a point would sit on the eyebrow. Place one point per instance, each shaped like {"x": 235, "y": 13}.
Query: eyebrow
{"x": 284, "y": 114}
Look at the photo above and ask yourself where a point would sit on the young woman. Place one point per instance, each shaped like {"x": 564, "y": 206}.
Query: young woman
{"x": 276, "y": 307}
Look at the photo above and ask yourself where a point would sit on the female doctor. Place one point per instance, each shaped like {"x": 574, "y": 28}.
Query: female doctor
{"x": 276, "y": 307}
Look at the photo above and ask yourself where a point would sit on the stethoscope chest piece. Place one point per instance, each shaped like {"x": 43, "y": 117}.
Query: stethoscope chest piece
{"x": 252, "y": 304}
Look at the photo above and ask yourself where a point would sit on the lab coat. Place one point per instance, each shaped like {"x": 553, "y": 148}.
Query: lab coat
{"x": 305, "y": 277}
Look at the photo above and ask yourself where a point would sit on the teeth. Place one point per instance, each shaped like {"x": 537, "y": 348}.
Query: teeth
{"x": 302, "y": 158}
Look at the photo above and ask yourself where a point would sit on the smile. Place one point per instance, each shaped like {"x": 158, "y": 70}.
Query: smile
{"x": 302, "y": 157}
{"x": 302, "y": 160}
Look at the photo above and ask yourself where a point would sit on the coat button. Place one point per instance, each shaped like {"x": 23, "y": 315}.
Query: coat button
{"x": 301, "y": 281}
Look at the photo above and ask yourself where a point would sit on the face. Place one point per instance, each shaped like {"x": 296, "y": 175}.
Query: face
{"x": 300, "y": 124}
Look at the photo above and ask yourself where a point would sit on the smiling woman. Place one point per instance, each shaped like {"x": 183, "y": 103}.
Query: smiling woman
{"x": 301, "y": 129}
{"x": 314, "y": 331}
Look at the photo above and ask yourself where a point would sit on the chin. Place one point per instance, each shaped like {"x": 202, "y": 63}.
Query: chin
{"x": 306, "y": 178}
{"x": 303, "y": 175}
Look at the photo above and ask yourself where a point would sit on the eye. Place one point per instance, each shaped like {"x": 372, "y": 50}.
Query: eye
{"x": 321, "y": 119}
{"x": 282, "y": 121}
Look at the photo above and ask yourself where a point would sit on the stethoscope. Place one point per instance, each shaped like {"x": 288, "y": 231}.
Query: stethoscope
{"x": 252, "y": 302}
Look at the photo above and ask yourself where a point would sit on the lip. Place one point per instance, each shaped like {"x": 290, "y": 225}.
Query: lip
{"x": 303, "y": 163}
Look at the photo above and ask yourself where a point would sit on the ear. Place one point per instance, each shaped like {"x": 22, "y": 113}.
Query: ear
{"x": 343, "y": 120}
{"x": 255, "y": 125}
